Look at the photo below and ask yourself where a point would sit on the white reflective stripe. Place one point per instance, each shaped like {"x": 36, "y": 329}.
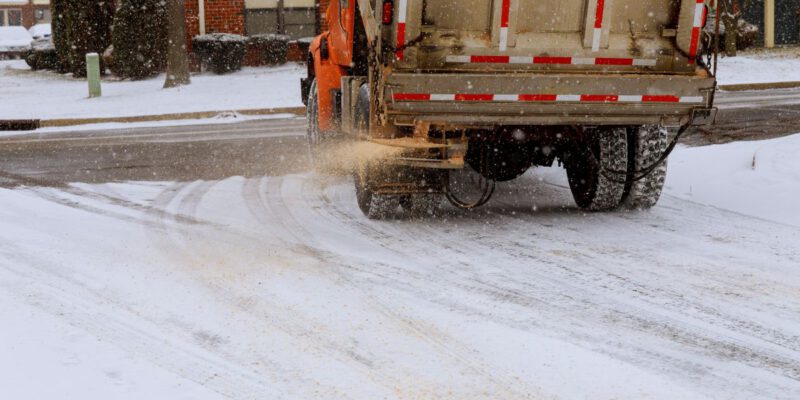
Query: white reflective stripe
{"x": 691, "y": 99}
{"x": 506, "y": 97}
{"x": 568, "y": 97}
{"x": 520, "y": 60}
{"x": 641, "y": 62}
{"x": 443, "y": 97}
{"x": 699, "y": 10}
{"x": 630, "y": 99}
{"x": 598, "y": 34}
{"x": 401, "y": 13}
{"x": 583, "y": 61}
{"x": 503, "y": 39}
{"x": 459, "y": 59}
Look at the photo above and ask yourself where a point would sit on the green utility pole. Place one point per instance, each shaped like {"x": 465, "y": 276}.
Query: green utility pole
{"x": 93, "y": 74}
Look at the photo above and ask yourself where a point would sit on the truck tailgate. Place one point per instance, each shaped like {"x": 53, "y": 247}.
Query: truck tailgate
{"x": 564, "y": 35}
{"x": 546, "y": 98}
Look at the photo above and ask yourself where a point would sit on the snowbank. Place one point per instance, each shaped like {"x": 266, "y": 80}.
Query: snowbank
{"x": 48, "y": 95}
{"x": 759, "y": 178}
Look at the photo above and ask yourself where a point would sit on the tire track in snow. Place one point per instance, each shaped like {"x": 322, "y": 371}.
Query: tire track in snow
{"x": 302, "y": 330}
{"x": 55, "y": 291}
{"x": 699, "y": 338}
{"x": 277, "y": 202}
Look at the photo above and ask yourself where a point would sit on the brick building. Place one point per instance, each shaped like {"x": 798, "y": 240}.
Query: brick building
{"x": 24, "y": 12}
{"x": 298, "y": 18}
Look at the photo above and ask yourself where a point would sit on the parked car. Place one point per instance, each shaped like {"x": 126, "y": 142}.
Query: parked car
{"x": 41, "y": 31}
{"x": 15, "y": 41}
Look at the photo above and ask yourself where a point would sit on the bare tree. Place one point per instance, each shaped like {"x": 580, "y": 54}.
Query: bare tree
{"x": 177, "y": 55}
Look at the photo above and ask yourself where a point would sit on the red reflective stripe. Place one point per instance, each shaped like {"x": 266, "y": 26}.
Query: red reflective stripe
{"x": 504, "y": 13}
{"x": 613, "y": 61}
{"x": 474, "y": 97}
{"x": 412, "y": 97}
{"x": 537, "y": 97}
{"x": 695, "y": 43}
{"x": 705, "y": 17}
{"x": 401, "y": 39}
{"x": 490, "y": 59}
{"x": 660, "y": 99}
{"x": 604, "y": 98}
{"x": 552, "y": 60}
{"x": 598, "y": 17}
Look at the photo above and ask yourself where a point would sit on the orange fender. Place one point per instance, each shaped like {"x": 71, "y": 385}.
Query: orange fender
{"x": 329, "y": 77}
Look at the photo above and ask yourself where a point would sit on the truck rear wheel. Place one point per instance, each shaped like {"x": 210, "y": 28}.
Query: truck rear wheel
{"x": 313, "y": 133}
{"x": 597, "y": 169}
{"x": 372, "y": 204}
{"x": 369, "y": 174}
{"x": 648, "y": 143}
{"x": 422, "y": 205}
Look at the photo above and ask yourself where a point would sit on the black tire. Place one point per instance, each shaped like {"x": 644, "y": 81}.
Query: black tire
{"x": 648, "y": 143}
{"x": 597, "y": 169}
{"x": 422, "y": 205}
{"x": 368, "y": 175}
{"x": 313, "y": 133}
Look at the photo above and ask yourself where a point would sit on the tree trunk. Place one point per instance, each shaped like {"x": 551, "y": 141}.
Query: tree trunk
{"x": 177, "y": 55}
{"x": 730, "y": 18}
{"x": 281, "y": 18}
{"x": 731, "y": 33}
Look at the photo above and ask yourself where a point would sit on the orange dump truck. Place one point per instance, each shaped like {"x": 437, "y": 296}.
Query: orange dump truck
{"x": 495, "y": 87}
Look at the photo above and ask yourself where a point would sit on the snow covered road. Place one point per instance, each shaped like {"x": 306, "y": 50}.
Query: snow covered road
{"x": 274, "y": 285}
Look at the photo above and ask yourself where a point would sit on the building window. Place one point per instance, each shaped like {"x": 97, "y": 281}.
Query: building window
{"x": 296, "y": 18}
{"x": 11, "y": 17}
{"x": 15, "y": 17}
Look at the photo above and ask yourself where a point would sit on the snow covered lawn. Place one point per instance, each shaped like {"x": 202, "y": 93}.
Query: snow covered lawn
{"x": 758, "y": 178}
{"x": 760, "y": 66}
{"x": 27, "y": 94}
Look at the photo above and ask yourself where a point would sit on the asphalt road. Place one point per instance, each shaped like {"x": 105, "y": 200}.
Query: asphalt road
{"x": 274, "y": 147}
{"x": 751, "y": 115}
{"x": 180, "y": 153}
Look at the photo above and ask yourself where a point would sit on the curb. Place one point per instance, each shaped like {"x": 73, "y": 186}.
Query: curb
{"x": 160, "y": 117}
{"x": 19, "y": 124}
{"x": 170, "y": 117}
{"x": 759, "y": 86}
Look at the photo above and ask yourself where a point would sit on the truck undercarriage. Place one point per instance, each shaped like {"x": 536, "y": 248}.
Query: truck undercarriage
{"x": 465, "y": 110}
